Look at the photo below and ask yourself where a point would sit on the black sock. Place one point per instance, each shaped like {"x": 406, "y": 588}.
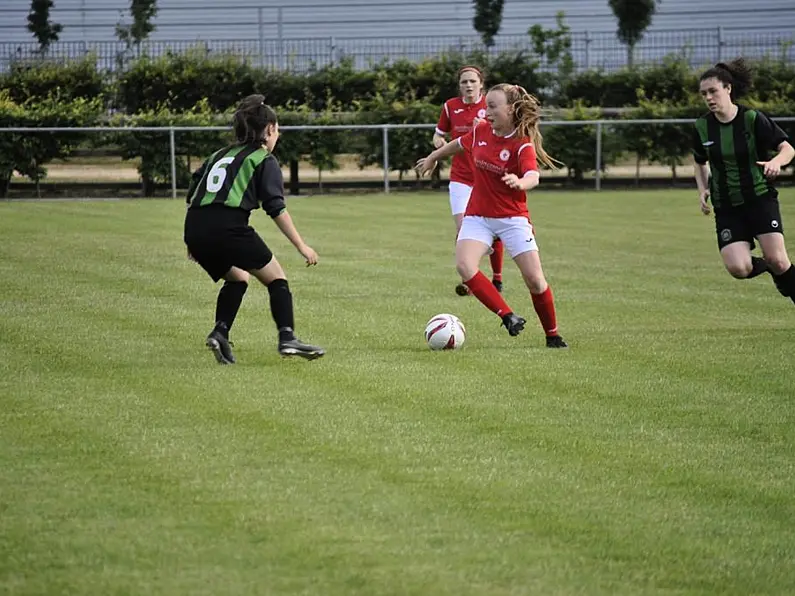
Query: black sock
{"x": 282, "y": 308}
{"x": 758, "y": 267}
{"x": 786, "y": 282}
{"x": 229, "y": 299}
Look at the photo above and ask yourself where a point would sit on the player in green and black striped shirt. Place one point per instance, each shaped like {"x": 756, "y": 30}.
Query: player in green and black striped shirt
{"x": 229, "y": 185}
{"x": 737, "y": 142}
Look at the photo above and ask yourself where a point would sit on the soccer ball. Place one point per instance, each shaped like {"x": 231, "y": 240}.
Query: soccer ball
{"x": 445, "y": 332}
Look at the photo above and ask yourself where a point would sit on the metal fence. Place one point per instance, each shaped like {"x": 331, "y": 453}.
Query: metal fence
{"x": 589, "y": 50}
{"x": 601, "y": 126}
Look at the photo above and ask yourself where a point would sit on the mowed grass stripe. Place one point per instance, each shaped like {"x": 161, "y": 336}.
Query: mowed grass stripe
{"x": 654, "y": 456}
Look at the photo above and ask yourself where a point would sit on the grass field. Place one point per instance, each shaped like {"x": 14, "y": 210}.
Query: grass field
{"x": 657, "y": 455}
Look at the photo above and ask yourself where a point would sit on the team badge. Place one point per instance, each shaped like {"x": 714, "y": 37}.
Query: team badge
{"x": 481, "y": 113}
{"x": 505, "y": 154}
{"x": 726, "y": 235}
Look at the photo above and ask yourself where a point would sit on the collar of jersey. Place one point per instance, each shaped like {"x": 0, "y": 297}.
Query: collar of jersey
{"x": 508, "y": 136}
{"x": 477, "y": 101}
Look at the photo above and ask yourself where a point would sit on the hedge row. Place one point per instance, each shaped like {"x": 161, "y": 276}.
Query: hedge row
{"x": 666, "y": 144}
{"x": 179, "y": 81}
{"x": 196, "y": 90}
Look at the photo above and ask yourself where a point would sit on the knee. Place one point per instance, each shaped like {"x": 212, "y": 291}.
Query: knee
{"x": 778, "y": 264}
{"x": 739, "y": 270}
{"x": 535, "y": 283}
{"x": 466, "y": 269}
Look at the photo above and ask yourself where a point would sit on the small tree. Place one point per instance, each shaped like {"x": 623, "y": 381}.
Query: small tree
{"x": 634, "y": 17}
{"x": 488, "y": 18}
{"x": 553, "y": 46}
{"x": 142, "y": 11}
{"x": 40, "y": 25}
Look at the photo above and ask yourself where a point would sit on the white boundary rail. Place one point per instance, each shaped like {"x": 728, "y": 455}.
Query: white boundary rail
{"x": 384, "y": 128}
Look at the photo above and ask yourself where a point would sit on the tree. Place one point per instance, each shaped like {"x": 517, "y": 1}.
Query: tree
{"x": 142, "y": 11}
{"x": 553, "y": 46}
{"x": 40, "y": 25}
{"x": 488, "y": 18}
{"x": 634, "y": 17}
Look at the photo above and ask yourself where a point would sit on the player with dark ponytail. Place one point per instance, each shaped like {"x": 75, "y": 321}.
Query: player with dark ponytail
{"x": 230, "y": 184}
{"x": 738, "y": 142}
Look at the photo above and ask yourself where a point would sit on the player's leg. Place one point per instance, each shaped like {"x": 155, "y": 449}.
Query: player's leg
{"x": 517, "y": 233}
{"x": 474, "y": 241}
{"x": 735, "y": 242}
{"x": 769, "y": 230}
{"x": 777, "y": 259}
{"x": 459, "y": 197}
{"x": 208, "y": 247}
{"x": 226, "y": 307}
{"x": 739, "y": 262}
{"x": 272, "y": 276}
{"x": 496, "y": 259}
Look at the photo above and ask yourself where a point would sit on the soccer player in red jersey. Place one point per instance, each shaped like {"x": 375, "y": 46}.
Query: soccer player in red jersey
{"x": 457, "y": 118}
{"x": 505, "y": 149}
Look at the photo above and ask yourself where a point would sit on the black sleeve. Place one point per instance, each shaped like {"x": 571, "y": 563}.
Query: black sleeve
{"x": 270, "y": 187}
{"x": 699, "y": 151}
{"x": 194, "y": 181}
{"x": 768, "y": 134}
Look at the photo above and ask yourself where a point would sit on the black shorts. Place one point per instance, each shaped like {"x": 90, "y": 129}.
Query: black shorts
{"x": 745, "y": 222}
{"x": 220, "y": 238}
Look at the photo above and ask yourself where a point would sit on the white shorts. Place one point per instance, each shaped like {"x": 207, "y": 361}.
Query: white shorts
{"x": 459, "y": 197}
{"x": 516, "y": 233}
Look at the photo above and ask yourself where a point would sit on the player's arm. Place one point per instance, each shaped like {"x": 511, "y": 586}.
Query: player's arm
{"x": 271, "y": 195}
{"x": 701, "y": 171}
{"x": 442, "y": 128}
{"x": 528, "y": 168}
{"x": 770, "y": 136}
{"x": 426, "y": 165}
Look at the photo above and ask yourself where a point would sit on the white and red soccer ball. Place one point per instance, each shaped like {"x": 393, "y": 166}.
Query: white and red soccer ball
{"x": 445, "y": 332}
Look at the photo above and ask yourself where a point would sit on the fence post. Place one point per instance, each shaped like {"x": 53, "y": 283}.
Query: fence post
{"x": 280, "y": 32}
{"x": 172, "y": 147}
{"x": 598, "y": 178}
{"x": 385, "y": 132}
{"x": 261, "y": 40}
{"x": 587, "y": 50}
{"x": 720, "y": 44}
{"x": 332, "y": 50}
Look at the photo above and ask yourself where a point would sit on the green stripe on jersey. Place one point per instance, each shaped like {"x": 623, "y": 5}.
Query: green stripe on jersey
{"x": 216, "y": 175}
{"x": 760, "y": 183}
{"x": 244, "y": 176}
{"x": 731, "y": 172}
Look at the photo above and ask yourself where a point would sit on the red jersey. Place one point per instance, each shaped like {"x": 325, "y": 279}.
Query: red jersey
{"x": 456, "y": 120}
{"x": 493, "y": 157}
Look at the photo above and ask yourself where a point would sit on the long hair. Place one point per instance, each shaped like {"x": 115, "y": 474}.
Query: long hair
{"x": 526, "y": 119}
{"x": 736, "y": 73}
{"x": 251, "y": 118}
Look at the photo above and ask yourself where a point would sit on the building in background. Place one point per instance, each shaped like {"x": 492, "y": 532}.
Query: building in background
{"x": 295, "y": 35}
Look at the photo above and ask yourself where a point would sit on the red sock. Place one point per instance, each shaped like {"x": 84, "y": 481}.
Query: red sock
{"x": 485, "y": 291}
{"x": 544, "y": 304}
{"x": 496, "y": 260}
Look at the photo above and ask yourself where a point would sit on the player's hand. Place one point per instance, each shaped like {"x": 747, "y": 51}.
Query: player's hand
{"x": 309, "y": 254}
{"x": 512, "y": 181}
{"x": 704, "y": 199}
{"x": 439, "y": 141}
{"x": 770, "y": 168}
{"x": 425, "y": 165}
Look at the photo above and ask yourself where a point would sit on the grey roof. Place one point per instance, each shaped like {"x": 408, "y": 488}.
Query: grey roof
{"x": 94, "y": 20}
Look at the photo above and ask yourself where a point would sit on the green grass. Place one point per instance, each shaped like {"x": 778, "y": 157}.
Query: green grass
{"x": 655, "y": 456}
